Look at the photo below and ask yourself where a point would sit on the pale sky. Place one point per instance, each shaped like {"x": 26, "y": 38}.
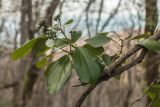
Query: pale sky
{"x": 73, "y": 10}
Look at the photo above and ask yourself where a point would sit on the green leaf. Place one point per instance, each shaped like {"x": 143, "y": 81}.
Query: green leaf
{"x": 75, "y": 35}
{"x": 98, "y": 40}
{"x": 58, "y": 73}
{"x": 39, "y": 45}
{"x": 152, "y": 95}
{"x": 96, "y": 51}
{"x": 151, "y": 45}
{"x": 146, "y": 35}
{"x": 57, "y": 17}
{"x": 155, "y": 102}
{"x": 86, "y": 66}
{"x": 23, "y": 50}
{"x": 61, "y": 42}
{"x": 50, "y": 43}
{"x": 42, "y": 52}
{"x": 106, "y": 59}
{"x": 153, "y": 91}
{"x": 69, "y": 22}
{"x": 41, "y": 63}
{"x": 155, "y": 88}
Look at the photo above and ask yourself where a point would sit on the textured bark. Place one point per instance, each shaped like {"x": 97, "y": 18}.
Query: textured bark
{"x": 0, "y": 3}
{"x": 151, "y": 23}
{"x": 26, "y": 20}
{"x": 28, "y": 71}
{"x": 151, "y": 15}
{"x": 32, "y": 73}
{"x": 26, "y": 31}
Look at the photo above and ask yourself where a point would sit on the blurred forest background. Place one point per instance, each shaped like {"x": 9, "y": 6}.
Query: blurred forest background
{"x": 23, "y": 85}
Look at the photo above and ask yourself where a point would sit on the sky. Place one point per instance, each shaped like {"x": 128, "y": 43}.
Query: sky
{"x": 74, "y": 10}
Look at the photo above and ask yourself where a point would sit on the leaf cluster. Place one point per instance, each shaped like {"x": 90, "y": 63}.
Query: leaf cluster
{"x": 89, "y": 60}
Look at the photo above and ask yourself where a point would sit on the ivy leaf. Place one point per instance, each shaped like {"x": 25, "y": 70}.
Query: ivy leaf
{"x": 98, "y": 40}
{"x": 61, "y": 42}
{"x": 75, "y": 35}
{"x": 86, "y": 66}
{"x": 146, "y": 35}
{"x": 96, "y": 51}
{"x": 69, "y": 22}
{"x": 151, "y": 45}
{"x": 106, "y": 59}
{"x": 23, "y": 50}
{"x": 58, "y": 73}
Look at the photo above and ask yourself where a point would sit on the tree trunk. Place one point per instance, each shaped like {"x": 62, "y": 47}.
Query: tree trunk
{"x": 151, "y": 23}
{"x": 25, "y": 21}
{"x": 31, "y": 74}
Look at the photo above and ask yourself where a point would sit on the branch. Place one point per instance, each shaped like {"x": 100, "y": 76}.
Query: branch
{"x": 87, "y": 16}
{"x": 138, "y": 60}
{"x": 114, "y": 68}
{"x": 82, "y": 84}
{"x": 9, "y": 85}
{"x": 106, "y": 76}
{"x": 99, "y": 14}
{"x": 49, "y": 13}
{"x": 84, "y": 95}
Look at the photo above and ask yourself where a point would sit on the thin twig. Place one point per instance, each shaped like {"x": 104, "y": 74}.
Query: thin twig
{"x": 9, "y": 85}
{"x": 116, "y": 42}
{"x": 64, "y": 50}
{"x": 82, "y": 84}
{"x": 116, "y": 35}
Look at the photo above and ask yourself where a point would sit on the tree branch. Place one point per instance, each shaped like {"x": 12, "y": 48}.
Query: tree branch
{"x": 9, "y": 85}
{"x": 114, "y": 68}
{"x": 84, "y": 95}
{"x": 49, "y": 13}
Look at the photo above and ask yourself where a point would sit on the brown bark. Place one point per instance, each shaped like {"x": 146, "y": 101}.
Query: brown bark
{"x": 32, "y": 72}
{"x": 26, "y": 20}
{"x": 28, "y": 72}
{"x": 151, "y": 19}
{"x": 151, "y": 15}
{"x": 26, "y": 29}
